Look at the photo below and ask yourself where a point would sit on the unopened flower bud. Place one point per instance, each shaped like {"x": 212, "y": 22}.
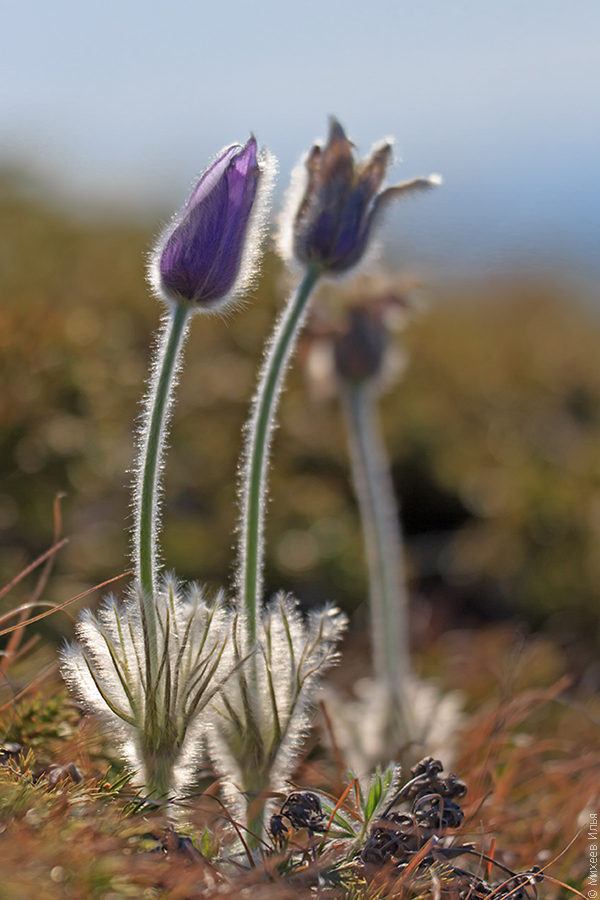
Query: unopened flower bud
{"x": 359, "y": 350}
{"x": 204, "y": 257}
{"x": 341, "y": 202}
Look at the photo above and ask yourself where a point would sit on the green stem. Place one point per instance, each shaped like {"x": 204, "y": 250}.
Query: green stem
{"x": 158, "y": 772}
{"x": 257, "y": 787}
{"x": 147, "y": 489}
{"x": 254, "y": 483}
{"x": 383, "y": 545}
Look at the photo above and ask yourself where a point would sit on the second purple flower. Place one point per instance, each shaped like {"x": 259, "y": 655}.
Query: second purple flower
{"x": 341, "y": 201}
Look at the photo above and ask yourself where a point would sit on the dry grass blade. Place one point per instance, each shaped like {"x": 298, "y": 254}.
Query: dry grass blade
{"x": 489, "y": 864}
{"x": 491, "y": 734}
{"x": 563, "y": 885}
{"x": 24, "y": 608}
{"x": 32, "y": 566}
{"x": 45, "y": 673}
{"x": 417, "y": 859}
{"x": 338, "y": 758}
{"x": 239, "y": 829}
{"x": 22, "y": 651}
{"x": 59, "y": 606}
{"x": 16, "y": 637}
{"x": 341, "y": 802}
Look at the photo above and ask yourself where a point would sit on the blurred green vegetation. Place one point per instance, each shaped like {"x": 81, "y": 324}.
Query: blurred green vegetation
{"x": 494, "y": 434}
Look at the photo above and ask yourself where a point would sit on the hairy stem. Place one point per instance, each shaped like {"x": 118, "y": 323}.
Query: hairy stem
{"x": 260, "y": 430}
{"x": 159, "y": 768}
{"x": 149, "y": 466}
{"x": 383, "y": 545}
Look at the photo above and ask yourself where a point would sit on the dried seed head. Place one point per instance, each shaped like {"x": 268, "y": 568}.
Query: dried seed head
{"x": 304, "y": 810}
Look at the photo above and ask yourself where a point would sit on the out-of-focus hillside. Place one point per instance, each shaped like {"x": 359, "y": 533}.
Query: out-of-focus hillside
{"x": 494, "y": 433}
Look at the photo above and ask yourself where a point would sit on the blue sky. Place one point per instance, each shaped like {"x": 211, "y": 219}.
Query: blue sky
{"x": 124, "y": 102}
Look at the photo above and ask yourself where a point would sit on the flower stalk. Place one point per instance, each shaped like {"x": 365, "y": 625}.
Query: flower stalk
{"x": 152, "y": 664}
{"x": 152, "y": 444}
{"x": 326, "y": 232}
{"x": 263, "y": 711}
{"x": 260, "y": 431}
{"x": 383, "y": 546}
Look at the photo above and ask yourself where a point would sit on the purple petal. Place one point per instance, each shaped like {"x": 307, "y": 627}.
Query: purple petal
{"x": 201, "y": 258}
{"x": 212, "y": 176}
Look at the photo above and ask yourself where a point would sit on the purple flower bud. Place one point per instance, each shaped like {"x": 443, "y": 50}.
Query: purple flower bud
{"x": 358, "y": 351}
{"x": 341, "y": 202}
{"x": 205, "y": 256}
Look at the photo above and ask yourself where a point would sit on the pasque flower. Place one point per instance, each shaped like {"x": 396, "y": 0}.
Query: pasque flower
{"x": 263, "y": 709}
{"x": 152, "y": 664}
{"x": 326, "y": 230}
{"x": 340, "y": 203}
{"x": 157, "y": 715}
{"x": 205, "y": 256}
{"x": 201, "y": 262}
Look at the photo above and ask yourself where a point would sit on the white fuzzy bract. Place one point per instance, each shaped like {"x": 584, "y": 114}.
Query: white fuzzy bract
{"x": 367, "y": 732}
{"x": 159, "y": 714}
{"x": 263, "y": 709}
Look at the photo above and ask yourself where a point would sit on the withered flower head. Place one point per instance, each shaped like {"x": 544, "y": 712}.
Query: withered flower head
{"x": 304, "y": 810}
{"x": 341, "y": 202}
